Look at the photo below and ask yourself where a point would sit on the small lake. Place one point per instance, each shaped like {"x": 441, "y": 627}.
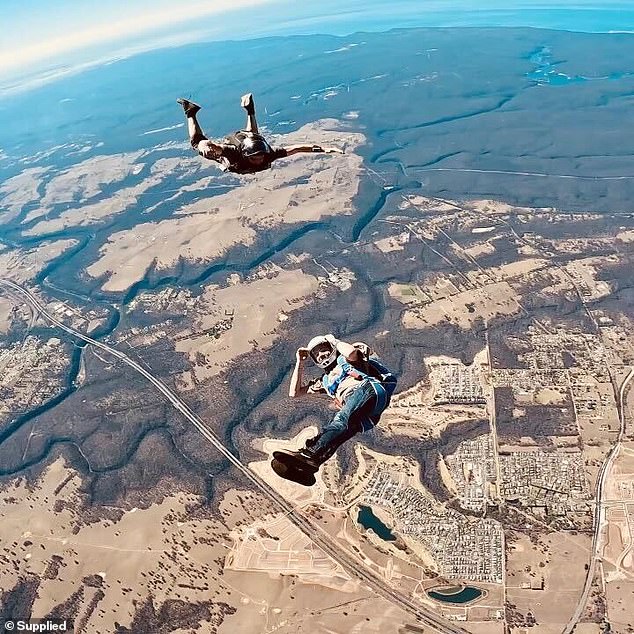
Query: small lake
{"x": 368, "y": 519}
{"x": 455, "y": 594}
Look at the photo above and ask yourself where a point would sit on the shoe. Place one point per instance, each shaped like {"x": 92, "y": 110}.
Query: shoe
{"x": 247, "y": 103}
{"x": 189, "y": 107}
{"x": 300, "y": 476}
{"x": 302, "y": 460}
{"x": 309, "y": 458}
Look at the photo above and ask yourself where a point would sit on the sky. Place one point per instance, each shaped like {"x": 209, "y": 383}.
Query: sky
{"x": 35, "y": 31}
{"x": 47, "y": 39}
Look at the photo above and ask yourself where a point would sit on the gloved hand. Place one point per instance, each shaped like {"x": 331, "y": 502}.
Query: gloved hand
{"x": 330, "y": 338}
{"x": 365, "y": 349}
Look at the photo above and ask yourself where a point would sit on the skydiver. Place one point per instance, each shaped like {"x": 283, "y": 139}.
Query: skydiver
{"x": 361, "y": 387}
{"x": 245, "y": 151}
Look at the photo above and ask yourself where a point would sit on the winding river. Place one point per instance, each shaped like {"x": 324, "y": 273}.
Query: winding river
{"x": 60, "y": 280}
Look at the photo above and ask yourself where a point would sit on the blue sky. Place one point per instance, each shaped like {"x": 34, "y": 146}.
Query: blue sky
{"x": 56, "y": 37}
{"x": 35, "y": 32}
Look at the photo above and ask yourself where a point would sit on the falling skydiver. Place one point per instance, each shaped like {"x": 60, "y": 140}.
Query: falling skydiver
{"x": 361, "y": 387}
{"x": 245, "y": 151}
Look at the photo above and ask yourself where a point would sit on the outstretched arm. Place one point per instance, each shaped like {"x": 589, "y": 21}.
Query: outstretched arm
{"x": 296, "y": 387}
{"x": 297, "y": 149}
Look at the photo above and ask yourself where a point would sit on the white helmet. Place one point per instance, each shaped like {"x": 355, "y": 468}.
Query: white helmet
{"x": 321, "y": 351}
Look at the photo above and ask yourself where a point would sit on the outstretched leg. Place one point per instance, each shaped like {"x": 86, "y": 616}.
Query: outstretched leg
{"x": 196, "y": 134}
{"x": 345, "y": 424}
{"x": 247, "y": 103}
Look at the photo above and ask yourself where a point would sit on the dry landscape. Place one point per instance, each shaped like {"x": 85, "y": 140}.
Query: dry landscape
{"x": 205, "y": 230}
{"x": 147, "y": 352}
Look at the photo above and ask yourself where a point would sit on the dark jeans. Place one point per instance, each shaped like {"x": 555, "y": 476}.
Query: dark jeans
{"x": 347, "y": 422}
{"x": 196, "y": 139}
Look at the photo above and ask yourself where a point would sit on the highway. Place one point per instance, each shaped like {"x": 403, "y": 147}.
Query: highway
{"x": 349, "y": 562}
{"x": 597, "y": 542}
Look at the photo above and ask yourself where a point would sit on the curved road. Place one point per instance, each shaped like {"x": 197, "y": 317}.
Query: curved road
{"x": 597, "y": 542}
{"x": 351, "y": 564}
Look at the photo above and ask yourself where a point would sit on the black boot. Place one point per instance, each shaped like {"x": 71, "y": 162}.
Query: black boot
{"x": 317, "y": 458}
{"x": 189, "y": 107}
{"x": 309, "y": 457}
{"x": 310, "y": 442}
{"x": 302, "y": 460}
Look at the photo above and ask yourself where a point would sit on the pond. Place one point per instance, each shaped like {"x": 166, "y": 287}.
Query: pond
{"x": 368, "y": 519}
{"x": 455, "y": 594}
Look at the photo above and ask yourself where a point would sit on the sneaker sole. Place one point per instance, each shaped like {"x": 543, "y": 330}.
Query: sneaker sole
{"x": 296, "y": 462}
{"x": 305, "y": 478}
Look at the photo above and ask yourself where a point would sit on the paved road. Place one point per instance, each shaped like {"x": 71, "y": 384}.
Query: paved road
{"x": 597, "y": 542}
{"x": 350, "y": 563}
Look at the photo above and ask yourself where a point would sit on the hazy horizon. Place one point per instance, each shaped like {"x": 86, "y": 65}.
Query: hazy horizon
{"x": 95, "y": 34}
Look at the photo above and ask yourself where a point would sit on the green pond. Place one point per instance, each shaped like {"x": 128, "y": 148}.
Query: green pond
{"x": 368, "y": 519}
{"x": 453, "y": 594}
